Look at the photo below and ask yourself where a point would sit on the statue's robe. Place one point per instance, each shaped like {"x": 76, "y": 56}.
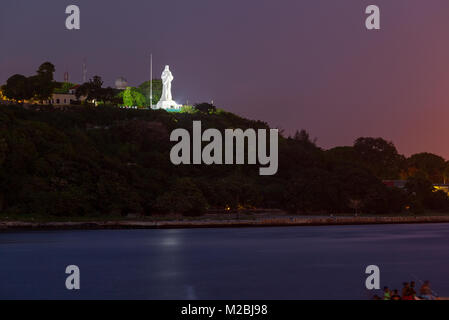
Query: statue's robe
{"x": 167, "y": 79}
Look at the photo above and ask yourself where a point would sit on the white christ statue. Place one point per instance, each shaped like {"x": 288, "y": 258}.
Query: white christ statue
{"x": 167, "y": 78}
{"x": 166, "y": 101}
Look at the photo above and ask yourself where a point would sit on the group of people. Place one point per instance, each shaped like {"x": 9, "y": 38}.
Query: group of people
{"x": 409, "y": 292}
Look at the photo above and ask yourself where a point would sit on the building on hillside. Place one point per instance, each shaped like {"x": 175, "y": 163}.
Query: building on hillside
{"x": 401, "y": 184}
{"x": 61, "y": 99}
{"x": 72, "y": 90}
{"x": 3, "y": 99}
{"x": 57, "y": 99}
{"x": 121, "y": 83}
{"x": 65, "y": 99}
{"x": 442, "y": 187}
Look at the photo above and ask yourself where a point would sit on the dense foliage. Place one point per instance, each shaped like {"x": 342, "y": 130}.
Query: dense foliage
{"x": 93, "y": 91}
{"x": 132, "y": 97}
{"x": 105, "y": 160}
{"x": 39, "y": 87}
{"x": 145, "y": 90}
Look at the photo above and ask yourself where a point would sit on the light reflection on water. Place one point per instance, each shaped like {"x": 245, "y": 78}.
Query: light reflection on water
{"x": 259, "y": 263}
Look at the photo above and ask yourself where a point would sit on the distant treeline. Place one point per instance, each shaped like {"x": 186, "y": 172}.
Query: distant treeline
{"x": 89, "y": 161}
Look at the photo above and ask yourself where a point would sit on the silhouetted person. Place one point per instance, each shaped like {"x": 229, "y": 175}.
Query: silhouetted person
{"x": 395, "y": 295}
{"x": 426, "y": 292}
{"x": 387, "y": 293}
{"x": 413, "y": 290}
{"x": 406, "y": 292}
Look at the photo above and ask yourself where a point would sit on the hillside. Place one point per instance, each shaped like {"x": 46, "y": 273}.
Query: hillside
{"x": 110, "y": 161}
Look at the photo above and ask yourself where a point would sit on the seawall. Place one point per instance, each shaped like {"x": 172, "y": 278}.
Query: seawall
{"x": 265, "y": 222}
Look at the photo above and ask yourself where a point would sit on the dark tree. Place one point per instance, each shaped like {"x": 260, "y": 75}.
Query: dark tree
{"x": 144, "y": 88}
{"x": 42, "y": 83}
{"x": 92, "y": 90}
{"x": 380, "y": 156}
{"x": 430, "y": 165}
{"x": 46, "y": 70}
{"x": 96, "y": 82}
{"x": 17, "y": 88}
{"x": 205, "y": 107}
{"x": 110, "y": 95}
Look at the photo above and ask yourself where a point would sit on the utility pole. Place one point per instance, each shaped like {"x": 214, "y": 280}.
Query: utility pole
{"x": 151, "y": 80}
{"x": 84, "y": 71}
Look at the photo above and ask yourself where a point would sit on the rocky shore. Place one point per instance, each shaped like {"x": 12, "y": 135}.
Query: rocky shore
{"x": 234, "y": 223}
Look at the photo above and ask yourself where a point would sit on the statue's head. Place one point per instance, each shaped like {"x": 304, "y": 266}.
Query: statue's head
{"x": 167, "y": 68}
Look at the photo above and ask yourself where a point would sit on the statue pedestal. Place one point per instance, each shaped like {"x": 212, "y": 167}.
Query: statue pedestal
{"x": 168, "y": 105}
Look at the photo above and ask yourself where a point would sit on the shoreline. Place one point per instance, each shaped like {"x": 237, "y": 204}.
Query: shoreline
{"x": 233, "y": 223}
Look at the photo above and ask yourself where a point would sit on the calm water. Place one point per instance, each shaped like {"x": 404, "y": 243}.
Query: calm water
{"x": 267, "y": 263}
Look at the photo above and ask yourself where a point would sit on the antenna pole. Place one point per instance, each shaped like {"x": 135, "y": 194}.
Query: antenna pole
{"x": 151, "y": 80}
{"x": 84, "y": 71}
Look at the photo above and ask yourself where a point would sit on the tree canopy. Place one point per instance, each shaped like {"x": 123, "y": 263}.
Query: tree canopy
{"x": 133, "y": 97}
{"x": 39, "y": 86}
{"x": 107, "y": 160}
{"x": 93, "y": 91}
{"x": 431, "y": 166}
{"x": 144, "y": 89}
{"x": 18, "y": 87}
{"x": 380, "y": 156}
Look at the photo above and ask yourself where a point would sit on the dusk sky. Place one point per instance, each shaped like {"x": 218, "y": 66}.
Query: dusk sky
{"x": 294, "y": 63}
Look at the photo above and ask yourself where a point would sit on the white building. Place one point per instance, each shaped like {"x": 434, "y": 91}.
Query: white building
{"x": 121, "y": 83}
{"x": 64, "y": 99}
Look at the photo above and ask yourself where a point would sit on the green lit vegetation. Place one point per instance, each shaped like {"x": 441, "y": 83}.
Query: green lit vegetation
{"x": 132, "y": 97}
{"x": 188, "y": 109}
{"x": 144, "y": 89}
{"x": 63, "y": 87}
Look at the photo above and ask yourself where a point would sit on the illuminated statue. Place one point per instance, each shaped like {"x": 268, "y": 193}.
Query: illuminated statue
{"x": 167, "y": 78}
{"x": 166, "y": 101}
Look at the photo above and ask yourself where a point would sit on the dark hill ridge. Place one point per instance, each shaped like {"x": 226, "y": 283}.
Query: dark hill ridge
{"x": 110, "y": 161}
